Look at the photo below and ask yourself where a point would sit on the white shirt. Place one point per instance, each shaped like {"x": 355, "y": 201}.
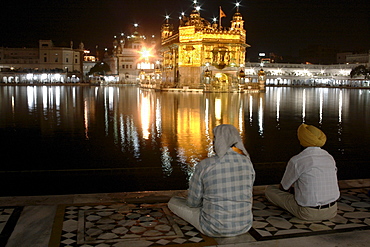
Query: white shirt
{"x": 314, "y": 175}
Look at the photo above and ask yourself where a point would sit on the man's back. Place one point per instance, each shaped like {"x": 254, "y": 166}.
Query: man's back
{"x": 314, "y": 175}
{"x": 227, "y": 193}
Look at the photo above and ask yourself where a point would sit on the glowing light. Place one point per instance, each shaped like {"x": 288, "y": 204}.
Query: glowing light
{"x": 166, "y": 161}
{"x": 321, "y": 106}
{"x": 260, "y": 117}
{"x": 250, "y": 109}
{"x": 218, "y": 75}
{"x": 145, "y": 116}
{"x": 30, "y": 97}
{"x": 304, "y": 106}
{"x": 86, "y": 119}
{"x": 340, "y": 106}
{"x": 218, "y": 109}
{"x": 145, "y": 53}
{"x": 45, "y": 97}
{"x": 278, "y": 105}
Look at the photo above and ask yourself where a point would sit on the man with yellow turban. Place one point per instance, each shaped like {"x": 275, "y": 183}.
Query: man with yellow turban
{"x": 313, "y": 175}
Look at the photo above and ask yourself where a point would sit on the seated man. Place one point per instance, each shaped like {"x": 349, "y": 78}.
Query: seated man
{"x": 219, "y": 202}
{"x": 313, "y": 175}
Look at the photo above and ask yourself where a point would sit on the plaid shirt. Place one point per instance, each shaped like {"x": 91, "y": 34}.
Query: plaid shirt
{"x": 223, "y": 189}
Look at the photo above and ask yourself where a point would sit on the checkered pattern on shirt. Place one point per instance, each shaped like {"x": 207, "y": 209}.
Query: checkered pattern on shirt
{"x": 314, "y": 175}
{"x": 223, "y": 188}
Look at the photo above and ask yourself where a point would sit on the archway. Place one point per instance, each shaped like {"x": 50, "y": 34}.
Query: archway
{"x": 221, "y": 82}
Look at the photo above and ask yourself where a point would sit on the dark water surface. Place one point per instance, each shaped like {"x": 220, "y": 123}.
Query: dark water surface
{"x": 87, "y": 139}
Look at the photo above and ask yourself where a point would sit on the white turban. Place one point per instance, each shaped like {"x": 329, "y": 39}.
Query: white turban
{"x": 226, "y": 136}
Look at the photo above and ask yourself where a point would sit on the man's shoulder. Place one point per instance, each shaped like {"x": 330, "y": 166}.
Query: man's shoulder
{"x": 311, "y": 151}
{"x": 207, "y": 162}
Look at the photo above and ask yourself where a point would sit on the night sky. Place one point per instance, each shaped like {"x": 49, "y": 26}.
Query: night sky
{"x": 279, "y": 26}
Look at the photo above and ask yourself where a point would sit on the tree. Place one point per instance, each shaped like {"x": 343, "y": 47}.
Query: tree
{"x": 99, "y": 68}
{"x": 360, "y": 70}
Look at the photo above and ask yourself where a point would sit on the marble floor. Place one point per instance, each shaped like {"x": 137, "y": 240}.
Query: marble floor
{"x": 8, "y": 220}
{"x": 125, "y": 225}
{"x": 143, "y": 219}
{"x": 270, "y": 222}
{"x": 155, "y": 225}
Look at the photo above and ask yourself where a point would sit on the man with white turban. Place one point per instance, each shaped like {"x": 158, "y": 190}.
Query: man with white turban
{"x": 219, "y": 202}
{"x": 313, "y": 176}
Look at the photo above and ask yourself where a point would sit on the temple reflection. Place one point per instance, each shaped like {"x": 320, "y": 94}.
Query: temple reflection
{"x": 173, "y": 130}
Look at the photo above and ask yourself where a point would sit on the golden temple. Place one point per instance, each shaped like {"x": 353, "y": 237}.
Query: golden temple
{"x": 204, "y": 56}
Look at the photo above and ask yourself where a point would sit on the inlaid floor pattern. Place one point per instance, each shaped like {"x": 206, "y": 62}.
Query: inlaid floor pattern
{"x": 126, "y": 225}
{"x": 270, "y": 222}
{"x": 123, "y": 224}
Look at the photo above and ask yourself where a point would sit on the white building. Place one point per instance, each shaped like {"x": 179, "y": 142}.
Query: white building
{"x": 133, "y": 58}
{"x": 45, "y": 64}
{"x": 354, "y": 58}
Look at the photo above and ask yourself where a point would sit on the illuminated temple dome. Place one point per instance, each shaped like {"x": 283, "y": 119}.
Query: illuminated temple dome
{"x": 203, "y": 55}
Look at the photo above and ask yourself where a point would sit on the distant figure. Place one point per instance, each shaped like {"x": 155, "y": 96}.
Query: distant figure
{"x": 219, "y": 202}
{"x": 313, "y": 176}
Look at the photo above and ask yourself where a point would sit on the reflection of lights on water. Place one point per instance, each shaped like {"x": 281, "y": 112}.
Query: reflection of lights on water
{"x": 340, "y": 106}
{"x": 158, "y": 118}
{"x": 218, "y": 110}
{"x": 260, "y": 117}
{"x": 250, "y": 109}
{"x": 241, "y": 122}
{"x": 122, "y": 131}
{"x": 304, "y": 106}
{"x": 57, "y": 105}
{"x": 145, "y": 116}
{"x": 86, "y": 119}
{"x": 106, "y": 112}
{"x": 207, "y": 129}
{"x": 30, "y": 97}
{"x": 340, "y": 109}
{"x": 45, "y": 97}
{"x": 166, "y": 161}
{"x": 321, "y": 105}
{"x": 187, "y": 164}
{"x": 278, "y": 105}
{"x": 57, "y": 97}
{"x": 12, "y": 104}
{"x": 133, "y": 137}
{"x": 74, "y": 99}
{"x": 111, "y": 97}
{"x": 206, "y": 118}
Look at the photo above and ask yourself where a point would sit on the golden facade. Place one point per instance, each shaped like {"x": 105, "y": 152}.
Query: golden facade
{"x": 204, "y": 55}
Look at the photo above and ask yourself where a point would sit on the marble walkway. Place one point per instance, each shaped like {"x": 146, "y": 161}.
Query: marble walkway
{"x": 143, "y": 219}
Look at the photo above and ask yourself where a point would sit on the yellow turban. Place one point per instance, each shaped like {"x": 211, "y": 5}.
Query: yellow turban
{"x": 310, "y": 136}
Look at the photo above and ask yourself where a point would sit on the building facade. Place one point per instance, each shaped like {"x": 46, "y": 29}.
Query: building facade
{"x": 45, "y": 64}
{"x": 133, "y": 59}
{"x": 203, "y": 55}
